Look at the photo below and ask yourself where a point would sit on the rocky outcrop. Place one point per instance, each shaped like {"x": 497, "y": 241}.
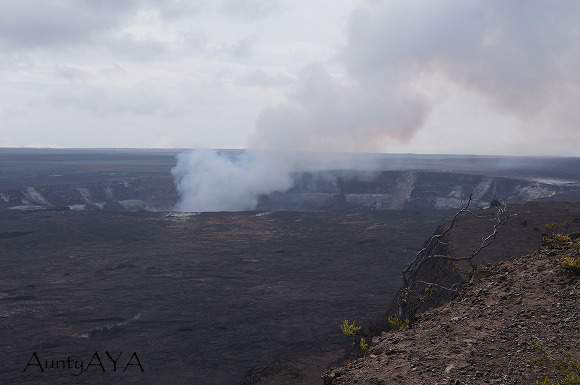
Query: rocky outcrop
{"x": 518, "y": 324}
{"x": 133, "y": 194}
{"x": 322, "y": 190}
{"x": 395, "y": 190}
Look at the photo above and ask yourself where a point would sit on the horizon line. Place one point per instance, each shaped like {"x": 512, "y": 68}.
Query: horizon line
{"x": 176, "y": 149}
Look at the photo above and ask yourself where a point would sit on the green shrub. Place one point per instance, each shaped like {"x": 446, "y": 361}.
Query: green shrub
{"x": 557, "y": 240}
{"x": 562, "y": 238}
{"x": 572, "y": 264}
{"x": 350, "y": 329}
{"x": 570, "y": 378}
{"x": 429, "y": 291}
{"x": 566, "y": 367}
{"x": 397, "y": 324}
{"x": 363, "y": 345}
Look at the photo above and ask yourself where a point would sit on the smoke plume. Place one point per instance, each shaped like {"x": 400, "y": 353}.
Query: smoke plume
{"x": 520, "y": 56}
{"x": 210, "y": 181}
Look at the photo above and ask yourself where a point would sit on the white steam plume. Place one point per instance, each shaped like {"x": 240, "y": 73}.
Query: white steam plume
{"x": 521, "y": 56}
{"x": 210, "y": 181}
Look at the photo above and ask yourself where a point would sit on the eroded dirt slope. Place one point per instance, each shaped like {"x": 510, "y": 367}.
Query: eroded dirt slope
{"x": 517, "y": 325}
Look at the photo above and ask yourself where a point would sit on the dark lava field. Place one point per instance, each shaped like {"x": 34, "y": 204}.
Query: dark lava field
{"x": 208, "y": 299}
{"x": 223, "y": 298}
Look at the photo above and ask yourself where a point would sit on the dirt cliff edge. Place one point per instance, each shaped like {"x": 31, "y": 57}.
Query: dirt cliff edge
{"x": 518, "y": 324}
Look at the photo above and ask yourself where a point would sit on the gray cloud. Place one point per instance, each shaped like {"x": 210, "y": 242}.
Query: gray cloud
{"x": 250, "y": 9}
{"x": 26, "y": 24}
{"x": 176, "y": 9}
{"x": 146, "y": 72}
{"x": 260, "y": 78}
{"x": 409, "y": 76}
{"x": 521, "y": 56}
{"x": 71, "y": 73}
{"x": 139, "y": 99}
{"x": 239, "y": 49}
{"x": 324, "y": 114}
{"x": 29, "y": 23}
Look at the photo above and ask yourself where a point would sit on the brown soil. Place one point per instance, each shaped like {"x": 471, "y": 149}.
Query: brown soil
{"x": 516, "y": 325}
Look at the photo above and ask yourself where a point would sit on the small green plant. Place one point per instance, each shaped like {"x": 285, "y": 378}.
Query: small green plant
{"x": 545, "y": 381}
{"x": 429, "y": 291}
{"x": 570, "y": 378}
{"x": 567, "y": 367}
{"x": 562, "y": 238}
{"x": 557, "y": 240}
{"x": 350, "y": 329}
{"x": 397, "y": 324}
{"x": 572, "y": 264}
{"x": 363, "y": 345}
{"x": 550, "y": 227}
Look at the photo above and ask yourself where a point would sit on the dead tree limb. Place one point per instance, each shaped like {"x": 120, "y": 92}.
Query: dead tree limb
{"x": 435, "y": 249}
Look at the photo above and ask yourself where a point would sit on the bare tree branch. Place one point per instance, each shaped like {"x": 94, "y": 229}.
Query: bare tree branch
{"x": 430, "y": 252}
{"x": 429, "y": 284}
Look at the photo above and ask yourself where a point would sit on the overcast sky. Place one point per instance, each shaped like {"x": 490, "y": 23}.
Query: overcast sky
{"x": 450, "y": 76}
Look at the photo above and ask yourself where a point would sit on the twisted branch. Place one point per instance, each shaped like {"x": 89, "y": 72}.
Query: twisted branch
{"x": 430, "y": 252}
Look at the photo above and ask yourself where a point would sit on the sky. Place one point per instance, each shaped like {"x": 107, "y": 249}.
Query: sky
{"x": 451, "y": 76}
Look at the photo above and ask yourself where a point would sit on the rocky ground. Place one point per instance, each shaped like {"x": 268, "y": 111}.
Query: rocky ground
{"x": 517, "y": 325}
{"x": 253, "y": 298}
{"x": 209, "y": 299}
